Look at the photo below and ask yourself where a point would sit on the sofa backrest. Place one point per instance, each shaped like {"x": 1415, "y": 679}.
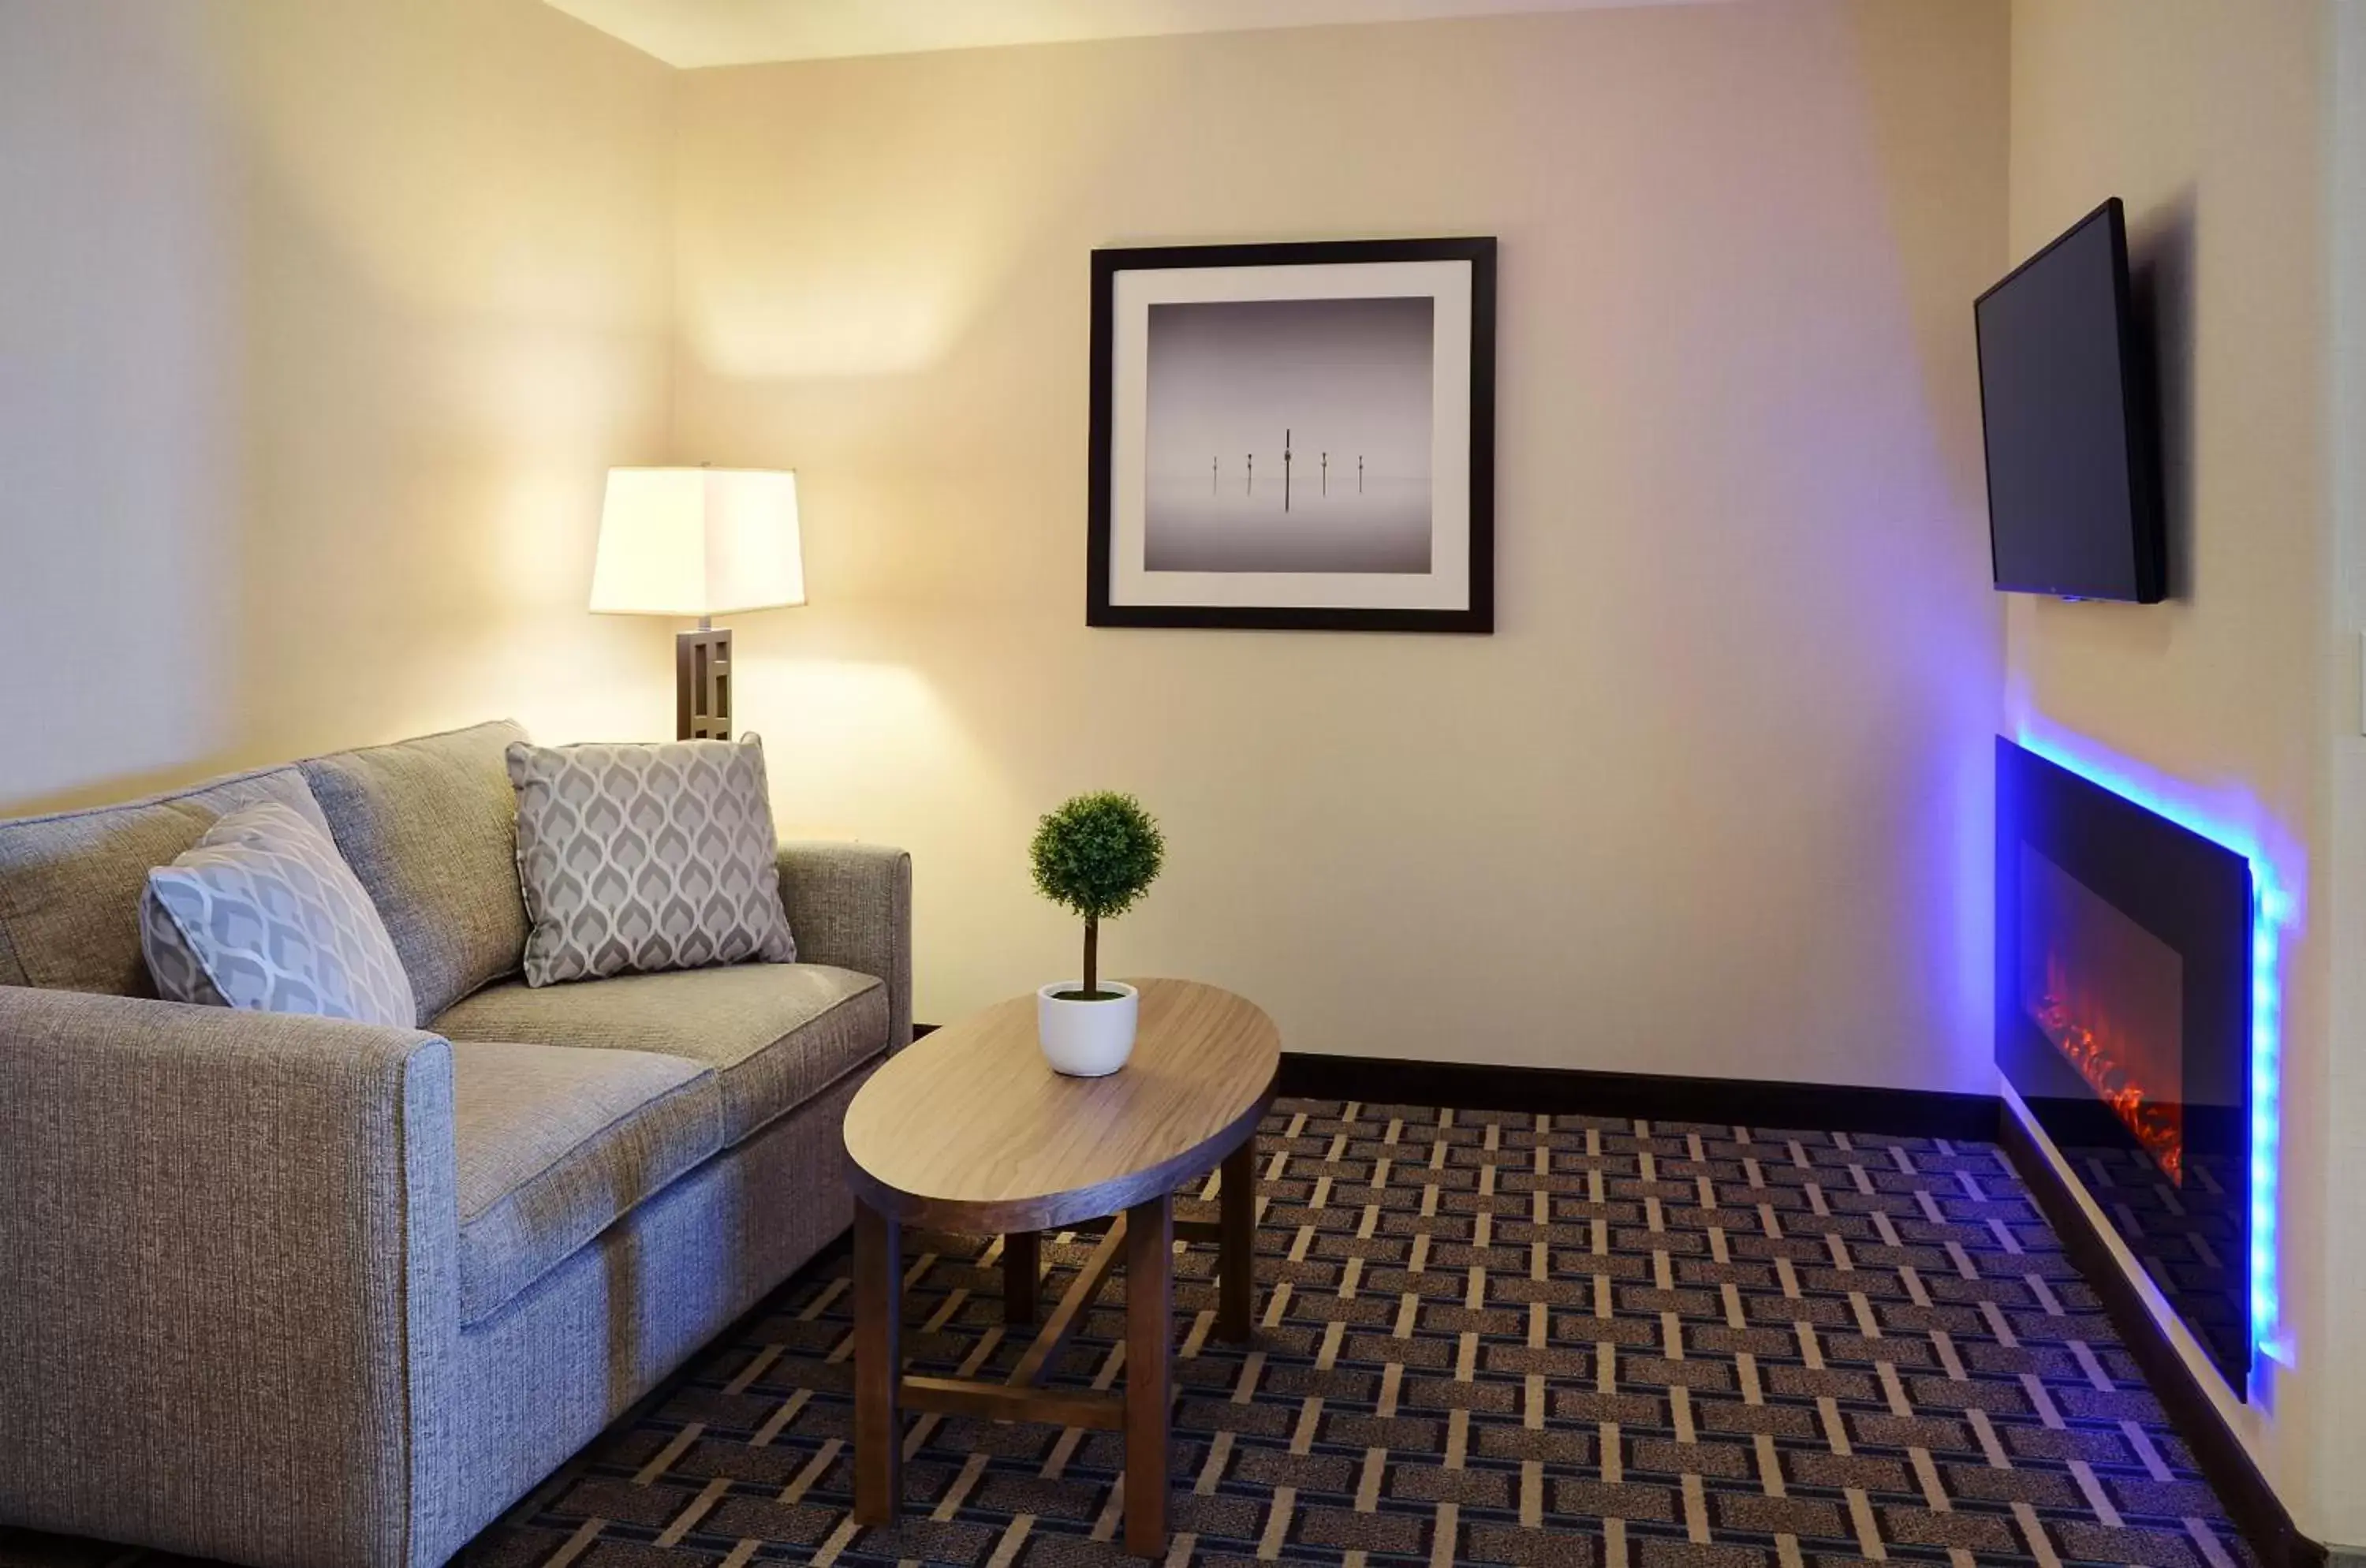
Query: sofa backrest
{"x": 70, "y": 883}
{"x": 430, "y": 826}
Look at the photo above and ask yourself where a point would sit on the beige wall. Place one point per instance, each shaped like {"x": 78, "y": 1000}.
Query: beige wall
{"x": 1711, "y": 799}
{"x": 323, "y": 318}
{"x": 2212, "y": 123}
{"x": 2341, "y": 1446}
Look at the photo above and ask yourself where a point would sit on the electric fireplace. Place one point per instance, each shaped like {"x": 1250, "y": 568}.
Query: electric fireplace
{"x": 2123, "y": 1021}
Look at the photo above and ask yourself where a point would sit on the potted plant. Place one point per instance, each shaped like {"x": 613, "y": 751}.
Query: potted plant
{"x": 1095, "y": 856}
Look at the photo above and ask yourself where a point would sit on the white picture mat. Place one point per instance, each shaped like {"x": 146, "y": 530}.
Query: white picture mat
{"x": 1446, "y": 586}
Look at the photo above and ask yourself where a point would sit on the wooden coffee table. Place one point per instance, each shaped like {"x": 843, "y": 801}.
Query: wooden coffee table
{"x": 970, "y": 1130}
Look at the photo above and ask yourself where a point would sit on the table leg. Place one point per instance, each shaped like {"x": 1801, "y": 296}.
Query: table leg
{"x": 1022, "y": 1276}
{"x": 1149, "y": 1352}
{"x": 1236, "y": 1253}
{"x": 878, "y": 1365}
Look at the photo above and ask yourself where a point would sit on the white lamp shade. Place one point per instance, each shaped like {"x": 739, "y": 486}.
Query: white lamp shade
{"x": 698, "y": 542}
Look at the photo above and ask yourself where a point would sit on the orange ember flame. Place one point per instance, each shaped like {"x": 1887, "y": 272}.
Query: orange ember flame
{"x": 2102, "y": 1058}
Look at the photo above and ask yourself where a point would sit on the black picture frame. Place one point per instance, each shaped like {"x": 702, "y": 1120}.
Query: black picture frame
{"x": 1478, "y": 616}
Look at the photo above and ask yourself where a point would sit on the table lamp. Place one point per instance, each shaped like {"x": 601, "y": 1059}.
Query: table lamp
{"x": 702, "y": 542}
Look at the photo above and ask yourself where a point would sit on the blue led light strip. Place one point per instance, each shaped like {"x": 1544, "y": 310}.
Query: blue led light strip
{"x": 2272, "y": 913}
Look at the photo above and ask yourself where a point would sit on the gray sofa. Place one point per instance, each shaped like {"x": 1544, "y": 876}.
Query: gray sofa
{"x": 285, "y": 1290}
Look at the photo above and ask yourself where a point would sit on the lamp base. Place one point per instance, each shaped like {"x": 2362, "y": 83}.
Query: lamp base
{"x": 702, "y": 685}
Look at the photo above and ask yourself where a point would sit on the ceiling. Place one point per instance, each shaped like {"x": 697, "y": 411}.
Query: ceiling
{"x": 741, "y": 33}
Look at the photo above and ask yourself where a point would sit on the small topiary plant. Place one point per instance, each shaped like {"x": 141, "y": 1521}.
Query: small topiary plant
{"x": 1096, "y": 856}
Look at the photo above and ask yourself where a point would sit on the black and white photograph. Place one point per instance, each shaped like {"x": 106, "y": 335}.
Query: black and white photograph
{"x": 1319, "y": 389}
{"x": 1293, "y": 437}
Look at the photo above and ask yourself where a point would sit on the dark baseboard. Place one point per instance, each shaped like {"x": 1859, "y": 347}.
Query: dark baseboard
{"x": 921, "y": 1029}
{"x": 2217, "y": 1452}
{"x": 1908, "y": 1112}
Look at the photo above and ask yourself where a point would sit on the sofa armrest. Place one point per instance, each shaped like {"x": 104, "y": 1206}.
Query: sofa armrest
{"x": 228, "y": 1299}
{"x": 851, "y": 905}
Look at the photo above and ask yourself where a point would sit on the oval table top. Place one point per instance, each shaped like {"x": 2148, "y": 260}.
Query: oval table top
{"x": 970, "y": 1128}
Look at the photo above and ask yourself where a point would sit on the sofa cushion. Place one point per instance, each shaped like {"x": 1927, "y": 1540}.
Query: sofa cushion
{"x": 635, "y": 859}
{"x": 430, "y": 825}
{"x": 71, "y": 883}
{"x": 776, "y": 1033}
{"x": 555, "y": 1145}
{"x": 261, "y": 914}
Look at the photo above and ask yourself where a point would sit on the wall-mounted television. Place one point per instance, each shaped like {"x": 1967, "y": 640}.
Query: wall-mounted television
{"x": 2068, "y": 418}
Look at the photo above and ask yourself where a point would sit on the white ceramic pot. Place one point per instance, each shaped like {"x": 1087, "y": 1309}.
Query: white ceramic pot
{"x": 1086, "y": 1040}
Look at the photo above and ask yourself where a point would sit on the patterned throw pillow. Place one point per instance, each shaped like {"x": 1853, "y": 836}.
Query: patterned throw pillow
{"x": 635, "y": 858}
{"x": 262, "y": 914}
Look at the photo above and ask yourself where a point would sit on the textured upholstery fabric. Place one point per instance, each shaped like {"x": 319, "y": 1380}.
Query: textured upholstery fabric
{"x": 230, "y": 1274}
{"x": 227, "y": 1316}
{"x": 70, "y": 884}
{"x": 553, "y": 1143}
{"x": 776, "y": 1034}
{"x": 430, "y": 826}
{"x": 851, "y": 908}
{"x": 175, "y": 970}
{"x": 634, "y": 859}
{"x": 573, "y": 1351}
{"x": 262, "y": 914}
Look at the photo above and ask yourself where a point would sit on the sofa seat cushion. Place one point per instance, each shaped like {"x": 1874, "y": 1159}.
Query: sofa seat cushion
{"x": 555, "y": 1145}
{"x": 776, "y": 1034}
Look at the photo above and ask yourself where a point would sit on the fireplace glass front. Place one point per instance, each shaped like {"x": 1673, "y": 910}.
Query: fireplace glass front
{"x": 2123, "y": 1022}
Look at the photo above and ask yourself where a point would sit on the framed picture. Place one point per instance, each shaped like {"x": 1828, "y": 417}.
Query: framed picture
{"x": 1294, "y": 437}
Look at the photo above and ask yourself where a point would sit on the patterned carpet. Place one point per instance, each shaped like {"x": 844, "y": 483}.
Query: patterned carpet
{"x": 1485, "y": 1338}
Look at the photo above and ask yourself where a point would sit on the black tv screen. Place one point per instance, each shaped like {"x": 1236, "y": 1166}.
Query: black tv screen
{"x": 2074, "y": 484}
